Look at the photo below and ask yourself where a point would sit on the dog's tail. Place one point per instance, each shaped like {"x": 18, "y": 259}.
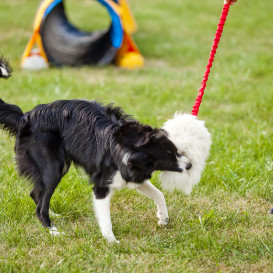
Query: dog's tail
{"x": 5, "y": 68}
{"x": 10, "y": 116}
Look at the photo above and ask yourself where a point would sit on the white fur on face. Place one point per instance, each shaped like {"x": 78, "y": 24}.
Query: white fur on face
{"x": 126, "y": 158}
{"x": 191, "y": 137}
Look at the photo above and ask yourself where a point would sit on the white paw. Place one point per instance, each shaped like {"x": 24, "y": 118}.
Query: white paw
{"x": 114, "y": 241}
{"x": 55, "y": 232}
{"x": 110, "y": 237}
{"x": 163, "y": 222}
{"x": 163, "y": 218}
{"x": 53, "y": 214}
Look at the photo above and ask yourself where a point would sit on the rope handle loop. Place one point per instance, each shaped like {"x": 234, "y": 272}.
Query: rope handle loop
{"x": 216, "y": 41}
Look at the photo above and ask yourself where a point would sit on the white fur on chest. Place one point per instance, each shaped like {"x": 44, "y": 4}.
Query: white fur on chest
{"x": 119, "y": 183}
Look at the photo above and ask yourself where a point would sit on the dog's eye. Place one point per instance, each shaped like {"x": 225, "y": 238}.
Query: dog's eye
{"x": 169, "y": 152}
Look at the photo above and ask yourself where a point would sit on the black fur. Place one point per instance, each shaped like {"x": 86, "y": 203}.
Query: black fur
{"x": 93, "y": 136}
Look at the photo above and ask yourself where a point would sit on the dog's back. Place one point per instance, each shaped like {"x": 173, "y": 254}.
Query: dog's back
{"x": 67, "y": 113}
{"x": 83, "y": 127}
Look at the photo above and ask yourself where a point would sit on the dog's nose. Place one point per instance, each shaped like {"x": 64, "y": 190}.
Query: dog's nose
{"x": 188, "y": 166}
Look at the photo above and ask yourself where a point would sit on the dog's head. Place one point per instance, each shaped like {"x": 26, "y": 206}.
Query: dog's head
{"x": 145, "y": 150}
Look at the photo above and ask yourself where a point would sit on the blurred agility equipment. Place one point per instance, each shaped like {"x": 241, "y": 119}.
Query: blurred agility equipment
{"x": 58, "y": 42}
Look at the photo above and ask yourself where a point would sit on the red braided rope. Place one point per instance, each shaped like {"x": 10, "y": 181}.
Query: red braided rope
{"x": 216, "y": 41}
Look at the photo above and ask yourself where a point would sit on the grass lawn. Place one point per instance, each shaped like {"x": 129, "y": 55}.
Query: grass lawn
{"x": 223, "y": 226}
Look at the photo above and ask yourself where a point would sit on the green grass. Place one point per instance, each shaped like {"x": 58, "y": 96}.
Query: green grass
{"x": 223, "y": 226}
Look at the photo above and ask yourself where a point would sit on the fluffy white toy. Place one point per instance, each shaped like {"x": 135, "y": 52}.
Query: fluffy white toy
{"x": 192, "y": 139}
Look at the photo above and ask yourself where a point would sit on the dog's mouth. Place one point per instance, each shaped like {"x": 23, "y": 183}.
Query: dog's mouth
{"x": 176, "y": 168}
{"x": 179, "y": 169}
{"x": 184, "y": 162}
{"x": 171, "y": 167}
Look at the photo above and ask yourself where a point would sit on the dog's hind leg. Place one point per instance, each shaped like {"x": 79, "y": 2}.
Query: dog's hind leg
{"x": 50, "y": 178}
{"x": 41, "y": 158}
{"x": 35, "y": 193}
{"x": 102, "y": 211}
{"x": 155, "y": 194}
{"x": 44, "y": 186}
{"x": 42, "y": 192}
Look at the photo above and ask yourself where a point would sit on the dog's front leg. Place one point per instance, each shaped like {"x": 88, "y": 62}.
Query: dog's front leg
{"x": 102, "y": 210}
{"x": 155, "y": 194}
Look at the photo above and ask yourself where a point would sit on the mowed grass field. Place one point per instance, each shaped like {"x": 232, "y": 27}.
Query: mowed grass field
{"x": 224, "y": 225}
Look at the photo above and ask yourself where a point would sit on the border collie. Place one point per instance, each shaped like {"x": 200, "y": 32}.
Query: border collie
{"x": 115, "y": 150}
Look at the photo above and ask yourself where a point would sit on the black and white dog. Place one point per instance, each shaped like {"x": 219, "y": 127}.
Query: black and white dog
{"x": 115, "y": 150}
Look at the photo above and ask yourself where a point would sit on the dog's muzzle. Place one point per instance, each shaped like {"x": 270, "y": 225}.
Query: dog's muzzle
{"x": 176, "y": 169}
{"x": 188, "y": 166}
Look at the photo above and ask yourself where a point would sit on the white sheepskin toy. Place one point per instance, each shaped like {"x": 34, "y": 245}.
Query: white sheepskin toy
{"x": 192, "y": 140}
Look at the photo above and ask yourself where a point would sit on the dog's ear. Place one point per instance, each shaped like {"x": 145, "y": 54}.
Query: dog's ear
{"x": 141, "y": 161}
{"x": 136, "y": 135}
{"x": 159, "y": 135}
{"x": 153, "y": 136}
{"x": 149, "y": 135}
{"x": 142, "y": 140}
